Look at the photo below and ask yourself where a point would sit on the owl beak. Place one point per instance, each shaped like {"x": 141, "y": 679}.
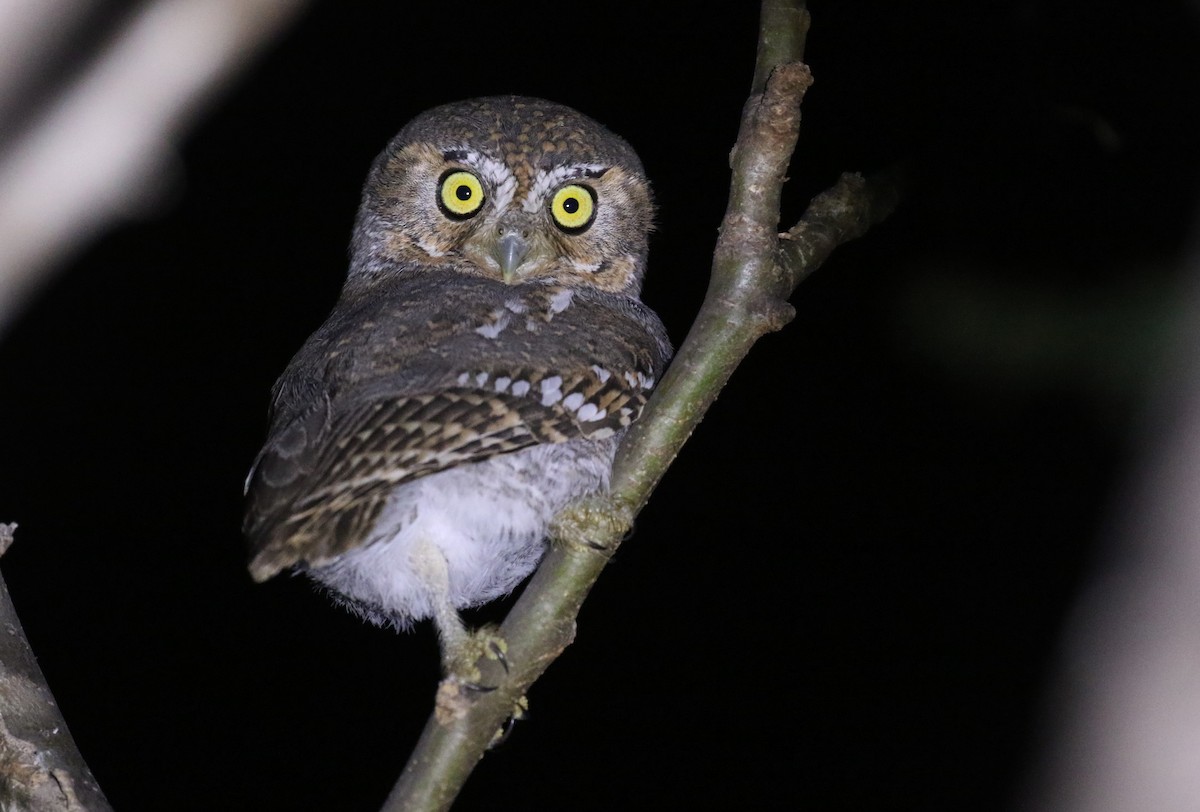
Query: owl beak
{"x": 510, "y": 251}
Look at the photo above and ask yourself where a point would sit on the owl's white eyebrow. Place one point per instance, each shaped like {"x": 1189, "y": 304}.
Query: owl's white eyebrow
{"x": 490, "y": 170}
{"x": 547, "y": 181}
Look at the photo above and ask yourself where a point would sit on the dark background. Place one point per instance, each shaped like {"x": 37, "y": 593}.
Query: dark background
{"x": 846, "y": 594}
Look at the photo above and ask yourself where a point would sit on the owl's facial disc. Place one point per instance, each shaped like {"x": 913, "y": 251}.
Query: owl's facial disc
{"x": 512, "y": 218}
{"x": 520, "y": 218}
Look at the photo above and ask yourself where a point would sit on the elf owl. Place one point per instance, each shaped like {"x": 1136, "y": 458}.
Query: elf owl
{"x": 487, "y": 353}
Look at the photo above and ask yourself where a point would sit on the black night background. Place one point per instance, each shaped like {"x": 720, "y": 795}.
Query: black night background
{"x": 848, "y": 591}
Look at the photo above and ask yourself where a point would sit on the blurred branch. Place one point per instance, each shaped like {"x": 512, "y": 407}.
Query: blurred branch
{"x": 95, "y": 151}
{"x": 1125, "y": 719}
{"x": 41, "y": 769}
{"x": 755, "y": 269}
{"x": 33, "y": 34}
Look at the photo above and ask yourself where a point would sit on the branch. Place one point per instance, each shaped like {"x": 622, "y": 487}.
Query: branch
{"x": 102, "y": 145}
{"x": 755, "y": 269}
{"x": 41, "y": 769}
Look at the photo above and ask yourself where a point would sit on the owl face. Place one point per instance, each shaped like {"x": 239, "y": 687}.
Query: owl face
{"x": 510, "y": 188}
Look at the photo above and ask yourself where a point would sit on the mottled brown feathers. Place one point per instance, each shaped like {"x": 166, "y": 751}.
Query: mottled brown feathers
{"x": 486, "y": 354}
{"x": 422, "y": 388}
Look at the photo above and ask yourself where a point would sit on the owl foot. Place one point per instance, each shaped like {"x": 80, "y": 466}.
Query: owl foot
{"x": 462, "y": 682}
{"x": 462, "y": 678}
{"x": 462, "y": 653}
{"x": 579, "y": 523}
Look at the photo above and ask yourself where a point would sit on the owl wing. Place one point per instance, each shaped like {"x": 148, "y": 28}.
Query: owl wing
{"x": 325, "y": 474}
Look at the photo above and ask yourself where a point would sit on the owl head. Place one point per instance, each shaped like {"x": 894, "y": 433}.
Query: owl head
{"x": 510, "y": 188}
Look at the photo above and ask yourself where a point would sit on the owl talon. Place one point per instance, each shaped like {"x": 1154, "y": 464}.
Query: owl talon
{"x": 519, "y": 713}
{"x": 496, "y": 650}
{"x": 476, "y": 688}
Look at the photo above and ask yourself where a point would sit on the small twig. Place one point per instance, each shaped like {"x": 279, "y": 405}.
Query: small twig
{"x": 755, "y": 269}
{"x": 841, "y": 213}
{"x": 6, "y": 536}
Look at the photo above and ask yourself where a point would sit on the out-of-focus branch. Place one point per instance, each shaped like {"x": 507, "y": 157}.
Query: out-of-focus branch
{"x": 755, "y": 269}
{"x": 94, "y": 152}
{"x": 1125, "y": 719}
{"x": 1125, "y": 716}
{"x": 33, "y": 34}
{"x": 41, "y": 769}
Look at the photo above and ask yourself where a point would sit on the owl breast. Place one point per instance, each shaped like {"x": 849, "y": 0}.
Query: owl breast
{"x": 488, "y": 521}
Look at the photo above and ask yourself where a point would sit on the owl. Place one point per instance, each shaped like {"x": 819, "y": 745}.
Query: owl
{"x": 487, "y": 353}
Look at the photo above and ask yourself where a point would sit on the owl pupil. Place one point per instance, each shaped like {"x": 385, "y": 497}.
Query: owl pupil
{"x": 463, "y": 192}
{"x": 570, "y": 205}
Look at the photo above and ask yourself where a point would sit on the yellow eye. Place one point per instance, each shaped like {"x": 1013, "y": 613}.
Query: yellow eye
{"x": 460, "y": 194}
{"x": 573, "y": 207}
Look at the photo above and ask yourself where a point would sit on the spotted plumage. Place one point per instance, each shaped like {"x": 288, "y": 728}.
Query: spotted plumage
{"x": 487, "y": 353}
